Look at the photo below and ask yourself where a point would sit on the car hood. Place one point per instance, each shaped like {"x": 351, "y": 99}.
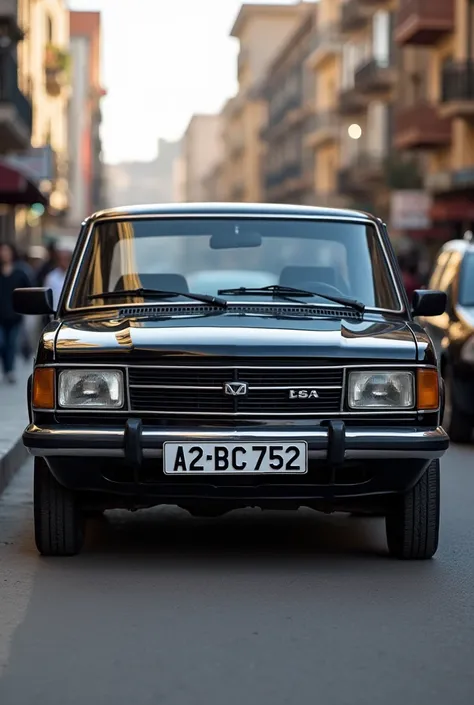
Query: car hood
{"x": 235, "y": 335}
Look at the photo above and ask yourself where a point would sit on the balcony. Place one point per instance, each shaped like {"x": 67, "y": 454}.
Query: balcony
{"x": 421, "y": 127}
{"x": 327, "y": 199}
{"x": 351, "y": 102}
{"x": 56, "y": 69}
{"x": 423, "y": 22}
{"x": 355, "y": 15}
{"x": 322, "y": 128}
{"x": 457, "y": 90}
{"x": 236, "y": 144}
{"x": 325, "y": 44}
{"x": 288, "y": 180}
{"x": 242, "y": 60}
{"x": 16, "y": 115}
{"x": 361, "y": 175}
{"x": 374, "y": 78}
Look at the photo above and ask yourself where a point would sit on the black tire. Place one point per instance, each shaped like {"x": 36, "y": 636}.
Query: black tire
{"x": 59, "y": 521}
{"x": 413, "y": 525}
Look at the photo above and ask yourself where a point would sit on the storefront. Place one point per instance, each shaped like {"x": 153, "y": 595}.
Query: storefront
{"x": 17, "y": 192}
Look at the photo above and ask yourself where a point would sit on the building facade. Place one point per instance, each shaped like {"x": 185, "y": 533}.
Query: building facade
{"x": 262, "y": 31}
{"x": 439, "y": 124}
{"x": 289, "y": 93}
{"x": 35, "y": 65}
{"x": 86, "y": 171}
{"x": 201, "y": 150}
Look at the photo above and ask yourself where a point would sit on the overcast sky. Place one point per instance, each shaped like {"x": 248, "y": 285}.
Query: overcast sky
{"x": 162, "y": 62}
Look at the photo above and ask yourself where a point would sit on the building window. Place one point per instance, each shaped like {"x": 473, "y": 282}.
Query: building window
{"x": 381, "y": 37}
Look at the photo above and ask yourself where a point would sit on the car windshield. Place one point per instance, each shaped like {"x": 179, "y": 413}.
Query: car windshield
{"x": 466, "y": 283}
{"x": 204, "y": 255}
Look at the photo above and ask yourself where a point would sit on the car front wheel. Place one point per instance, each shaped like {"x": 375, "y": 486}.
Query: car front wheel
{"x": 412, "y": 525}
{"x": 59, "y": 521}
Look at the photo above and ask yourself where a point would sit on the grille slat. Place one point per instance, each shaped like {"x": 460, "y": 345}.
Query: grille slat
{"x": 201, "y": 388}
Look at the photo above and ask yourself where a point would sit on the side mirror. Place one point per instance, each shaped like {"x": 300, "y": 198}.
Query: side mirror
{"x": 34, "y": 301}
{"x": 427, "y": 302}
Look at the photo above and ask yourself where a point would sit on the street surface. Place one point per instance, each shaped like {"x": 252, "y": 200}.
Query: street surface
{"x": 253, "y": 608}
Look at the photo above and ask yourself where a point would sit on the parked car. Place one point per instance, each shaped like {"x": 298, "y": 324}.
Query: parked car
{"x": 453, "y": 335}
{"x": 319, "y": 390}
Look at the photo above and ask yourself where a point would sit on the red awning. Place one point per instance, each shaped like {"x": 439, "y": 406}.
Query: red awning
{"x": 16, "y": 189}
{"x": 453, "y": 208}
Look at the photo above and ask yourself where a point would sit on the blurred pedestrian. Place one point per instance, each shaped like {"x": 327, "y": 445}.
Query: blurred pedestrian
{"x": 48, "y": 265}
{"x": 37, "y": 257}
{"x": 411, "y": 278}
{"x": 12, "y": 276}
{"x": 55, "y": 279}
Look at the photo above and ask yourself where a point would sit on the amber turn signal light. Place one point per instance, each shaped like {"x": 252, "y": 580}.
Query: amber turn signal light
{"x": 427, "y": 384}
{"x": 43, "y": 388}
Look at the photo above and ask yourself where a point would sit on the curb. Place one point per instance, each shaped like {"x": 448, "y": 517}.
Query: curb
{"x": 11, "y": 462}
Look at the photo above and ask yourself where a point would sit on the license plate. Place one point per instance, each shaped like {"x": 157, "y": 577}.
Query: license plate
{"x": 234, "y": 458}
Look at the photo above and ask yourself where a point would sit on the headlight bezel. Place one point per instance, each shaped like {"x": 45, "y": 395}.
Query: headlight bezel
{"x": 115, "y": 372}
{"x": 352, "y": 375}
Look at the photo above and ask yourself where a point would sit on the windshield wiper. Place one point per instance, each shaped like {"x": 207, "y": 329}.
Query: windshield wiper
{"x": 161, "y": 294}
{"x": 278, "y": 291}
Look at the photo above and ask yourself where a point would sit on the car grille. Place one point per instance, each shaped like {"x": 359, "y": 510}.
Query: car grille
{"x": 200, "y": 389}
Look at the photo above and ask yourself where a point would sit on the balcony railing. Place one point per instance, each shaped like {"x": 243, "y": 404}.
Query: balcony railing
{"x": 361, "y": 174}
{"x": 421, "y": 127}
{"x": 354, "y": 16}
{"x": 374, "y": 76}
{"x": 11, "y": 94}
{"x": 458, "y": 82}
{"x": 293, "y": 170}
{"x": 322, "y": 127}
{"x": 326, "y": 42}
{"x": 351, "y": 102}
{"x": 423, "y": 22}
{"x": 277, "y": 115}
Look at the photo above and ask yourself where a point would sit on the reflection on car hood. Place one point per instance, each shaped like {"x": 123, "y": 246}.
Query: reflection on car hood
{"x": 234, "y": 335}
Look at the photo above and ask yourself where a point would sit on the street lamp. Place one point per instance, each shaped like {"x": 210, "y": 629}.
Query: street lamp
{"x": 354, "y": 131}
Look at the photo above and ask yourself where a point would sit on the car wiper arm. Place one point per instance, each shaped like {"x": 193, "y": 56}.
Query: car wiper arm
{"x": 160, "y": 293}
{"x": 277, "y": 290}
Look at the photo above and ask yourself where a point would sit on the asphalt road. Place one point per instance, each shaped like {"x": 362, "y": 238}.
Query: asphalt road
{"x": 254, "y": 608}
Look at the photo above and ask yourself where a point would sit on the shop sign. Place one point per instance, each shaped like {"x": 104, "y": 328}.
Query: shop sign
{"x": 410, "y": 210}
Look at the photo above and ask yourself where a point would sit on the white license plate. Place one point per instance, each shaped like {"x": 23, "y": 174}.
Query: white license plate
{"x": 234, "y": 458}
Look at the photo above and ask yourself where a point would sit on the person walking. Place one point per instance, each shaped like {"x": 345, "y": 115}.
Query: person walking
{"x": 55, "y": 279}
{"x": 12, "y": 276}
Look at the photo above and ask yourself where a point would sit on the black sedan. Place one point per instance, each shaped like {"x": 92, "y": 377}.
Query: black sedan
{"x": 227, "y": 356}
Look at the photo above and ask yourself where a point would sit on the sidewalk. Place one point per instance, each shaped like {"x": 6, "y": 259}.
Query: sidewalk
{"x": 13, "y": 419}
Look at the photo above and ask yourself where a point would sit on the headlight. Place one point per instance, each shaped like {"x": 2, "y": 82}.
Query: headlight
{"x": 94, "y": 389}
{"x": 381, "y": 390}
{"x": 467, "y": 351}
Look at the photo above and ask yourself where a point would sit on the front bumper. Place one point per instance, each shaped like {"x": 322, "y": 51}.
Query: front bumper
{"x": 349, "y": 468}
{"x": 334, "y": 442}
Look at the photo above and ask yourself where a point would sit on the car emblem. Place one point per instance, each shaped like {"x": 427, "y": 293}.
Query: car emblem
{"x": 303, "y": 394}
{"x": 236, "y": 389}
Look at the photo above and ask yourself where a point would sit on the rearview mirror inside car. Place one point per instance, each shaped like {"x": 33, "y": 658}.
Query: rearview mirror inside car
{"x": 34, "y": 301}
{"x": 230, "y": 240}
{"x": 427, "y": 302}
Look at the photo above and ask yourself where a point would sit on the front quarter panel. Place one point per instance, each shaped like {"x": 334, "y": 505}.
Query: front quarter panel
{"x": 46, "y": 351}
{"x": 425, "y": 349}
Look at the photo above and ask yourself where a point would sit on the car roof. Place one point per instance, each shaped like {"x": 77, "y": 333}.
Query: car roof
{"x": 247, "y": 209}
{"x": 462, "y": 246}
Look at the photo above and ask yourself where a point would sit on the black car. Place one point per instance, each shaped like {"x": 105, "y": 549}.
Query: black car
{"x": 220, "y": 356}
{"x": 453, "y": 334}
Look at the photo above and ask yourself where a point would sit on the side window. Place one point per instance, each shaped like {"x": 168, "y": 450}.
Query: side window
{"x": 439, "y": 269}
